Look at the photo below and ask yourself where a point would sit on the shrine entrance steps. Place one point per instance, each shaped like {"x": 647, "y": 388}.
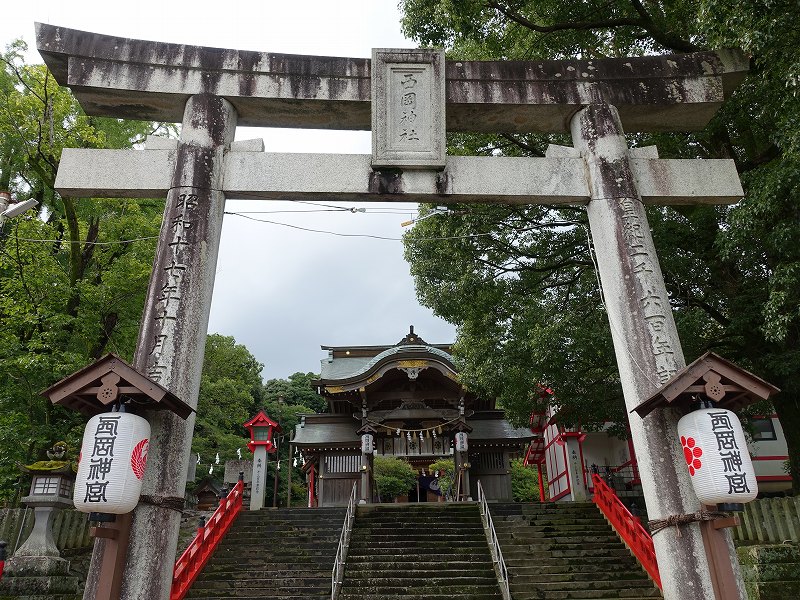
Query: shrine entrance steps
{"x": 280, "y": 554}
{"x": 419, "y": 552}
{"x": 566, "y": 551}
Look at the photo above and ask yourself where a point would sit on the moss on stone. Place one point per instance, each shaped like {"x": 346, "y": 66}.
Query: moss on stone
{"x": 50, "y": 466}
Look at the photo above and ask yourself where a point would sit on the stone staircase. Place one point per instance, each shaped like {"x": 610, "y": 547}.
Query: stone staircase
{"x": 279, "y": 554}
{"x": 419, "y": 551}
{"x": 566, "y": 551}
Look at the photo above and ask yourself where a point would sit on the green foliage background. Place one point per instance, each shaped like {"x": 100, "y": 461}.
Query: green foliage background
{"x": 524, "y": 292}
{"x": 71, "y": 287}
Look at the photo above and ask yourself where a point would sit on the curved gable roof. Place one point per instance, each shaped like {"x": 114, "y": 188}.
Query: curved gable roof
{"x": 363, "y": 373}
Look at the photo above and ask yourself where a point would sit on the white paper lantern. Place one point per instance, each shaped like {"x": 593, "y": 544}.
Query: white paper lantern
{"x": 366, "y": 443}
{"x": 461, "y": 441}
{"x": 112, "y": 463}
{"x": 716, "y": 453}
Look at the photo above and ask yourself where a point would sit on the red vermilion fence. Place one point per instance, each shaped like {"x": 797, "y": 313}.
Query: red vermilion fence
{"x": 628, "y": 527}
{"x": 195, "y": 557}
{"x": 2, "y": 558}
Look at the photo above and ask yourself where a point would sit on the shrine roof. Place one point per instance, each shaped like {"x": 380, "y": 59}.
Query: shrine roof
{"x": 326, "y": 432}
{"x": 350, "y": 367}
{"x": 495, "y": 428}
{"x": 350, "y": 363}
{"x": 341, "y": 432}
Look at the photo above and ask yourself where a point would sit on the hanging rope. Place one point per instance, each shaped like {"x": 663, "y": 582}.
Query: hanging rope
{"x": 436, "y": 428}
{"x": 676, "y": 521}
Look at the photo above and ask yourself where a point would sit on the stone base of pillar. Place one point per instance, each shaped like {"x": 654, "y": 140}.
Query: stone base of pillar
{"x": 40, "y": 587}
{"x": 36, "y": 565}
{"x": 43, "y": 576}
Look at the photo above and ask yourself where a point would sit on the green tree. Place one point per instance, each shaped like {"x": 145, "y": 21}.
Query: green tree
{"x": 230, "y": 386}
{"x": 225, "y": 359}
{"x": 232, "y": 391}
{"x": 523, "y": 292}
{"x": 524, "y": 482}
{"x": 393, "y": 477}
{"x": 73, "y": 274}
{"x": 298, "y": 389}
{"x": 446, "y": 469}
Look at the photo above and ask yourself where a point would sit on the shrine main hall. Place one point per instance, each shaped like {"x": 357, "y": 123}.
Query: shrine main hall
{"x": 407, "y": 401}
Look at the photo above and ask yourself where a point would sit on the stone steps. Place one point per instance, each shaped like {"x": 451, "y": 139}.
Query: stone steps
{"x": 281, "y": 554}
{"x": 566, "y": 551}
{"x": 417, "y": 552}
{"x": 430, "y": 552}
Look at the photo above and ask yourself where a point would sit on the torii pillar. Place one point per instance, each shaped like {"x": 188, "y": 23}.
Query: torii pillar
{"x": 171, "y": 342}
{"x": 648, "y": 354}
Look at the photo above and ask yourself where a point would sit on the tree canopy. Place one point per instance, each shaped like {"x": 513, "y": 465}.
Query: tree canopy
{"x": 297, "y": 390}
{"x": 73, "y": 273}
{"x": 520, "y": 283}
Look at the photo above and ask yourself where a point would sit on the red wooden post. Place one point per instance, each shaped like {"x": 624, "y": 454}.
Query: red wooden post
{"x": 311, "y": 490}
{"x": 2, "y": 558}
{"x": 541, "y": 482}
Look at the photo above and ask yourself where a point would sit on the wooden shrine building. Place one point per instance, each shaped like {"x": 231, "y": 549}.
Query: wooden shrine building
{"x": 404, "y": 401}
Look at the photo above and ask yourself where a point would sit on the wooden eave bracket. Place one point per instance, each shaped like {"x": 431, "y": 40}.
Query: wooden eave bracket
{"x": 97, "y": 387}
{"x": 736, "y": 387}
{"x": 368, "y": 428}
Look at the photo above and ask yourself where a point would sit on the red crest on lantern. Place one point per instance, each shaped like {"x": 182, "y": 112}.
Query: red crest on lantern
{"x": 716, "y": 454}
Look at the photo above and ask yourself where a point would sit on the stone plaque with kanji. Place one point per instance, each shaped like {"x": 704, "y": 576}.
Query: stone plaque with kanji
{"x": 408, "y": 114}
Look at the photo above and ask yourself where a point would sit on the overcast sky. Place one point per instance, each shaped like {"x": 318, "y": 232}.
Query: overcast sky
{"x": 281, "y": 291}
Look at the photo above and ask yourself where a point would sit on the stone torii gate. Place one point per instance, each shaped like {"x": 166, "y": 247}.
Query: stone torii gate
{"x": 408, "y": 99}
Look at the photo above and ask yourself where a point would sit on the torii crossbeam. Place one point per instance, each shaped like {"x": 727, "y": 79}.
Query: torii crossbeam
{"x": 212, "y": 90}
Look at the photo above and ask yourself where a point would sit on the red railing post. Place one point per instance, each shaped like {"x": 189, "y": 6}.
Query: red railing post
{"x": 2, "y": 557}
{"x": 627, "y": 526}
{"x": 208, "y": 536}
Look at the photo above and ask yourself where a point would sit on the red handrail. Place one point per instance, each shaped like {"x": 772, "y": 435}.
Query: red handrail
{"x": 628, "y": 527}
{"x": 195, "y": 557}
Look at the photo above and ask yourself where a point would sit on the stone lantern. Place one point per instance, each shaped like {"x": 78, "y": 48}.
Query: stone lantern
{"x": 37, "y": 564}
{"x": 261, "y": 429}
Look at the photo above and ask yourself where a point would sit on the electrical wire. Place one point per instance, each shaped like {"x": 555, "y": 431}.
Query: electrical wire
{"x": 359, "y": 235}
{"x": 387, "y": 211}
{"x": 270, "y": 222}
{"x": 82, "y": 243}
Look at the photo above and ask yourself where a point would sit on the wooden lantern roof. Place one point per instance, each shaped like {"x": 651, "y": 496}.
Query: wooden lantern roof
{"x": 97, "y": 387}
{"x": 716, "y": 379}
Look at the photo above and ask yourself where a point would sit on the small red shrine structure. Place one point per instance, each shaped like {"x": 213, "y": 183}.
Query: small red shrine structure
{"x": 261, "y": 427}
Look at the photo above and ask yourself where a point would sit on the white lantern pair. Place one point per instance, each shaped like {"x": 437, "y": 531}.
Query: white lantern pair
{"x": 112, "y": 463}
{"x": 717, "y": 456}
